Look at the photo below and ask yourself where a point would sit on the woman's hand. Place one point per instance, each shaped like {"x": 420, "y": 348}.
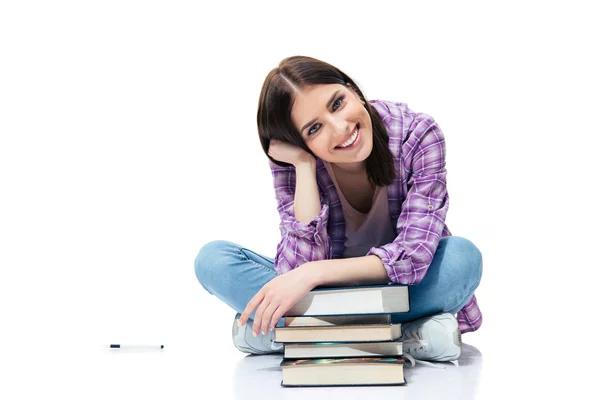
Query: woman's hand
{"x": 276, "y": 298}
{"x": 288, "y": 153}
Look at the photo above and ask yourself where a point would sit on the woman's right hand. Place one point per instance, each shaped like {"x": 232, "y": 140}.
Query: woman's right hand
{"x": 288, "y": 153}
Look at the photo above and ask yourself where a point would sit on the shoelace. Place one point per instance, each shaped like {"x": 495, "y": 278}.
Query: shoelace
{"x": 412, "y": 361}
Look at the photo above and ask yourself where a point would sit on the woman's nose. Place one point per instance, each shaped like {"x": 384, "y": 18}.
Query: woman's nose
{"x": 341, "y": 127}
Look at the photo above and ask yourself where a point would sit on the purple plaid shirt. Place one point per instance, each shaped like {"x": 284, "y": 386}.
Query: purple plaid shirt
{"x": 418, "y": 203}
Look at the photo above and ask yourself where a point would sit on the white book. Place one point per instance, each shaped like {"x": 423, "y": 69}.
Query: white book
{"x": 376, "y": 299}
{"x": 333, "y": 320}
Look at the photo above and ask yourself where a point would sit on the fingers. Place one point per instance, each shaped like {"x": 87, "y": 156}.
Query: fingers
{"x": 270, "y": 303}
{"x": 266, "y": 317}
{"x": 277, "y": 315}
{"x": 258, "y": 317}
{"x": 254, "y": 302}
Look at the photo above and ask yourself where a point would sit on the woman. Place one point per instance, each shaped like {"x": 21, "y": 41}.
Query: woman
{"x": 361, "y": 192}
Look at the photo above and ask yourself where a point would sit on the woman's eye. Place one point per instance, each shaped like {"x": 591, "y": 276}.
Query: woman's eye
{"x": 340, "y": 99}
{"x": 311, "y": 131}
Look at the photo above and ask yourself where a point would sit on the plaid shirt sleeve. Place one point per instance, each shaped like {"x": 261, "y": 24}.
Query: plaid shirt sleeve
{"x": 300, "y": 242}
{"x": 422, "y": 218}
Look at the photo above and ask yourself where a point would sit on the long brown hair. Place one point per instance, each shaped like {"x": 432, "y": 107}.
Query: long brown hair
{"x": 274, "y": 116}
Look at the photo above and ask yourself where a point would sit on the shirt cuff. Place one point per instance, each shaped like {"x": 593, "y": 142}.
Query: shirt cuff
{"x": 312, "y": 230}
{"x": 394, "y": 264}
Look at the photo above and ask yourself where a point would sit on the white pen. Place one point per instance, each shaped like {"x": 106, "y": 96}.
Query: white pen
{"x": 137, "y": 346}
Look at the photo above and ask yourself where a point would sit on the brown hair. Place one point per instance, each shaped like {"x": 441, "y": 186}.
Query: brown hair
{"x": 274, "y": 116}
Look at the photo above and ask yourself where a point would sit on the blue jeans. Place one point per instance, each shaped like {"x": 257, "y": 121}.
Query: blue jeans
{"x": 235, "y": 274}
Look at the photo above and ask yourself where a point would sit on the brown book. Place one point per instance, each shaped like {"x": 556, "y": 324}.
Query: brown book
{"x": 341, "y": 333}
{"x": 329, "y": 320}
{"x": 342, "y": 350}
{"x": 368, "y": 371}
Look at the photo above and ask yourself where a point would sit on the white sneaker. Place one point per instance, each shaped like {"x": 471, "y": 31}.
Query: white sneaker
{"x": 245, "y": 341}
{"x": 434, "y": 338}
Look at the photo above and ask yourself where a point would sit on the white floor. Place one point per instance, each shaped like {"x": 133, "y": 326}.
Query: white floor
{"x": 128, "y": 140}
{"x": 200, "y": 362}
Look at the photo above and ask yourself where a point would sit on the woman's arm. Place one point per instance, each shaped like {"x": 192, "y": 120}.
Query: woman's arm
{"x": 283, "y": 292}
{"x": 307, "y": 202}
{"x": 421, "y": 223}
{"x": 303, "y": 239}
{"x": 367, "y": 270}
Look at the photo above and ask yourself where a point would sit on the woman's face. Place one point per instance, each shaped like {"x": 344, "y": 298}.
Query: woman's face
{"x": 328, "y": 118}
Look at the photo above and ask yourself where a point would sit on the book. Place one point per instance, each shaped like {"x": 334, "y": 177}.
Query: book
{"x": 339, "y": 333}
{"x": 343, "y": 372}
{"x": 342, "y": 350}
{"x": 328, "y": 320}
{"x": 343, "y": 300}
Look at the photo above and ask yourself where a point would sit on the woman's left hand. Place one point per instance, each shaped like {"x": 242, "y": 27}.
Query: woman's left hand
{"x": 277, "y": 297}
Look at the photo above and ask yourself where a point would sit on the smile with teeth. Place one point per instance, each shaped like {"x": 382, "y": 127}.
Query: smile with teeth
{"x": 350, "y": 141}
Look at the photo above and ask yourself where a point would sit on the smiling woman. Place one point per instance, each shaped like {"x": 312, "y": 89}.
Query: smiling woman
{"x": 361, "y": 193}
{"x": 315, "y": 106}
{"x": 337, "y": 127}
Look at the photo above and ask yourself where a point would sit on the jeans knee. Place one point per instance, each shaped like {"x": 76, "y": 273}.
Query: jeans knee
{"x": 470, "y": 260}
{"x": 205, "y": 265}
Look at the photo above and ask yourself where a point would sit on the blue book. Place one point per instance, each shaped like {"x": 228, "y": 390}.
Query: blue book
{"x": 352, "y": 300}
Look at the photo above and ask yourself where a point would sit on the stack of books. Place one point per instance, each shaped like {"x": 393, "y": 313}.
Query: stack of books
{"x": 344, "y": 336}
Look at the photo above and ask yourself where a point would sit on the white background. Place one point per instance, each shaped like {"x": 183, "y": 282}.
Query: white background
{"x": 128, "y": 140}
